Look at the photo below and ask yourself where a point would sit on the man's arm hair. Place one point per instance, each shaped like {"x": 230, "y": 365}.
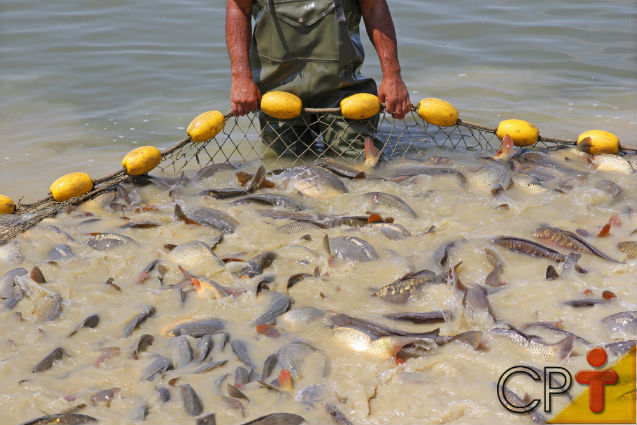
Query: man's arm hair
{"x": 244, "y": 93}
{"x": 381, "y": 32}
{"x": 238, "y": 36}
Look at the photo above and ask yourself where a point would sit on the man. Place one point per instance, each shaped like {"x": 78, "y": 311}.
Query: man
{"x": 312, "y": 49}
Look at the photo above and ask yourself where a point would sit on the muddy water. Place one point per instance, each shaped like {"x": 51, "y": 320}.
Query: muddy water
{"x": 452, "y": 383}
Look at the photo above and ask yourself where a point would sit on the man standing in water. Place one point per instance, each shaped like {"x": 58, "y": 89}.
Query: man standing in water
{"x": 312, "y": 49}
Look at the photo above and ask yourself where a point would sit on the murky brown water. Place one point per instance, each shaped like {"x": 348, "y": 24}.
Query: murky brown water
{"x": 450, "y": 384}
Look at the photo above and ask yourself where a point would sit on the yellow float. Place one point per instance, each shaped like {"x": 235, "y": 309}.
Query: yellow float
{"x": 71, "y": 185}
{"x": 523, "y": 133}
{"x": 206, "y": 126}
{"x": 598, "y": 141}
{"x": 281, "y": 105}
{"x": 141, "y": 160}
{"x": 360, "y": 106}
{"x": 7, "y": 206}
{"x": 438, "y": 112}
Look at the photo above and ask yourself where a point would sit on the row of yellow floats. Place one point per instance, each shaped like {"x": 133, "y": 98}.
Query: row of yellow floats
{"x": 283, "y": 105}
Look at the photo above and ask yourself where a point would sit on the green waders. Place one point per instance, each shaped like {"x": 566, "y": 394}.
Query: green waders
{"x": 312, "y": 49}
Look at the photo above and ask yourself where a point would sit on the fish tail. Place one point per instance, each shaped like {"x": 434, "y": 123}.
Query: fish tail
{"x": 564, "y": 347}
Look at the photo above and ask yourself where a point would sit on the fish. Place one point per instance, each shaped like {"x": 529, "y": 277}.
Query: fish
{"x": 279, "y": 304}
{"x": 61, "y": 419}
{"x": 315, "y": 182}
{"x": 140, "y": 318}
{"x": 234, "y": 392}
{"x": 164, "y": 394}
{"x": 104, "y": 396}
{"x": 268, "y": 366}
{"x": 193, "y": 253}
{"x": 60, "y": 253}
{"x": 624, "y": 322}
{"x": 192, "y": 402}
{"x": 90, "y": 322}
{"x": 36, "y": 275}
{"x": 403, "y": 289}
{"x": 257, "y": 264}
{"x": 159, "y": 364}
{"x": 535, "y": 345}
{"x": 569, "y": 240}
{"x": 240, "y": 349}
{"x": 420, "y": 348}
{"x": 149, "y": 268}
{"x": 392, "y": 201}
{"x": 441, "y": 255}
{"x": 273, "y": 199}
{"x": 300, "y": 227}
{"x": 529, "y": 183}
{"x": 277, "y": 419}
{"x": 494, "y": 177}
{"x": 207, "y": 366}
{"x": 108, "y": 241}
{"x": 620, "y": 348}
{"x": 10, "y": 253}
{"x": 292, "y": 355}
{"x": 494, "y": 279}
{"x": 47, "y": 362}
{"x": 543, "y": 160}
{"x": 527, "y": 247}
{"x": 421, "y": 318}
{"x": 211, "y": 170}
{"x": 350, "y": 248}
{"x": 336, "y": 415}
{"x": 611, "y": 163}
{"x": 194, "y": 328}
{"x": 180, "y": 352}
{"x": 7, "y": 283}
{"x": 203, "y": 347}
{"x": 209, "y": 419}
{"x": 210, "y": 217}
{"x": 340, "y": 168}
{"x": 512, "y": 401}
{"x": 610, "y": 187}
{"x": 311, "y": 395}
{"x": 48, "y": 308}
{"x": 629, "y": 248}
{"x": 555, "y": 327}
{"x": 55, "y": 232}
{"x": 301, "y": 316}
{"x": 201, "y": 285}
{"x": 474, "y": 297}
{"x": 392, "y": 231}
{"x": 142, "y": 343}
{"x": 410, "y": 170}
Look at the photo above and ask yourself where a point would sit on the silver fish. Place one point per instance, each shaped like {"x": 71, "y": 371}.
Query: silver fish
{"x": 47, "y": 362}
{"x": 158, "y": 365}
{"x": 535, "y": 345}
{"x": 7, "y": 283}
{"x": 276, "y": 200}
{"x": 214, "y": 218}
{"x": 195, "y": 328}
{"x": 624, "y": 322}
{"x": 191, "y": 253}
{"x": 350, "y": 248}
{"x": 90, "y": 322}
{"x": 279, "y": 304}
{"x": 180, "y": 352}
{"x": 60, "y": 253}
{"x": 192, "y": 402}
{"x": 392, "y": 201}
{"x": 240, "y": 348}
{"x": 292, "y": 355}
{"x": 61, "y": 419}
{"x": 203, "y": 347}
{"x": 134, "y": 323}
{"x": 108, "y": 241}
{"x": 495, "y": 177}
{"x": 315, "y": 182}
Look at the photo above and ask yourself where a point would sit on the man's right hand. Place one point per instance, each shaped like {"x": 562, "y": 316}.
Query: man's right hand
{"x": 244, "y": 95}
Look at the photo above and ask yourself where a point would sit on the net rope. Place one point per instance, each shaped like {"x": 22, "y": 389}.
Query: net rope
{"x": 241, "y": 140}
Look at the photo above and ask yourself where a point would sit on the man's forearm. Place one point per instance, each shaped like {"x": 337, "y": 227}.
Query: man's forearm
{"x": 382, "y": 34}
{"x": 238, "y": 35}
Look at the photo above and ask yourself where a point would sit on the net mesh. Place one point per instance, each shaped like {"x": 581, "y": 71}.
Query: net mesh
{"x": 317, "y": 133}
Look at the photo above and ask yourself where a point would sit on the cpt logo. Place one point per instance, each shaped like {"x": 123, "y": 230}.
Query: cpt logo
{"x": 608, "y": 396}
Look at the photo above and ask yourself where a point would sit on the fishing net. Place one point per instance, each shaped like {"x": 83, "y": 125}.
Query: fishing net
{"x": 317, "y": 133}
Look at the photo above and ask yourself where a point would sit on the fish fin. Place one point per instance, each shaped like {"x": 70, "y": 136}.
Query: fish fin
{"x": 257, "y": 179}
{"x": 372, "y": 155}
{"x": 564, "y": 347}
{"x": 551, "y": 273}
{"x": 473, "y": 338}
{"x": 179, "y": 213}
{"x": 243, "y": 177}
{"x": 374, "y": 218}
{"x": 585, "y": 145}
{"x": 326, "y": 244}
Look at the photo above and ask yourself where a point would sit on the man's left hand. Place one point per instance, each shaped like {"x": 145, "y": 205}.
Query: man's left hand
{"x": 394, "y": 94}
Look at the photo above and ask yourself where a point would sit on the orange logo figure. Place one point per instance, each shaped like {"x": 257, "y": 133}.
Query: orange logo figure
{"x": 596, "y": 379}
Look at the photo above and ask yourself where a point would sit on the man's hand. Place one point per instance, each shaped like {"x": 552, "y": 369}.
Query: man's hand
{"x": 394, "y": 94}
{"x": 244, "y": 95}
